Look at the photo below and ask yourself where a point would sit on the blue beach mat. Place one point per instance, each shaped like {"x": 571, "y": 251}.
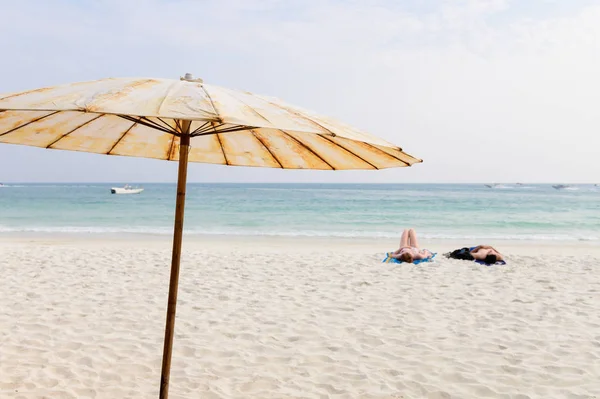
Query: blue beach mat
{"x": 389, "y": 259}
{"x": 500, "y": 262}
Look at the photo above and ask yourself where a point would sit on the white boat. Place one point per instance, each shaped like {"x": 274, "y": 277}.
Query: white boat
{"x": 496, "y": 185}
{"x": 127, "y": 189}
{"x": 563, "y": 187}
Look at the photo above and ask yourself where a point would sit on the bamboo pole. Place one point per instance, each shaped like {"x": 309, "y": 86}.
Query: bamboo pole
{"x": 184, "y": 146}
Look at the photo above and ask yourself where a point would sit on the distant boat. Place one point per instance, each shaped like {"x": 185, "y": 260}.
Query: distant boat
{"x": 496, "y": 185}
{"x": 564, "y": 187}
{"x": 127, "y": 189}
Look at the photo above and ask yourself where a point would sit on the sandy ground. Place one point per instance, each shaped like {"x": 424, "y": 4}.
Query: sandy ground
{"x": 288, "y": 318}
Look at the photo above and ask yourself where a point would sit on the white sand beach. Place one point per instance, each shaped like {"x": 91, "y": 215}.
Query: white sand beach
{"x": 287, "y": 318}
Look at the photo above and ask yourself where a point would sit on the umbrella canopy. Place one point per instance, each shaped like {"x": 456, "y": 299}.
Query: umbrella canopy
{"x": 142, "y": 117}
{"x": 188, "y": 121}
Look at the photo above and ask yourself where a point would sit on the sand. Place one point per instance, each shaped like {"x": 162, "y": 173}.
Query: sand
{"x": 84, "y": 317}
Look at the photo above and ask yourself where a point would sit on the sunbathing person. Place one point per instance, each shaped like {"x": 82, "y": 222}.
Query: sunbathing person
{"x": 486, "y": 253}
{"x": 409, "y": 250}
{"x": 481, "y": 254}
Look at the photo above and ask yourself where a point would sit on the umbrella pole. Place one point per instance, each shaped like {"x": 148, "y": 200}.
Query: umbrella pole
{"x": 184, "y": 146}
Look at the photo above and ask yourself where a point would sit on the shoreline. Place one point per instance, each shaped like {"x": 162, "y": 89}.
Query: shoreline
{"x": 226, "y": 243}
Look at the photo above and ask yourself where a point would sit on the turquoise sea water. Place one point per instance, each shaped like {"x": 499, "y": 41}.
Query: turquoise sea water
{"x": 535, "y": 212}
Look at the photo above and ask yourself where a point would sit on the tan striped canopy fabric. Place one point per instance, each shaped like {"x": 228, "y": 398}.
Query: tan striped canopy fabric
{"x": 142, "y": 117}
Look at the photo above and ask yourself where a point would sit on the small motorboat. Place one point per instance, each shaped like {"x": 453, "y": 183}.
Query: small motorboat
{"x": 126, "y": 189}
{"x": 563, "y": 187}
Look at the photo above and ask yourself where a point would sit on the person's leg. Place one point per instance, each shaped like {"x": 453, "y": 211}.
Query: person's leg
{"x": 403, "y": 243}
{"x": 404, "y": 240}
{"x": 412, "y": 238}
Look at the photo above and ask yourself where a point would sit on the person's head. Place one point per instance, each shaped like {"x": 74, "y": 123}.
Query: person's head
{"x": 490, "y": 259}
{"x": 407, "y": 257}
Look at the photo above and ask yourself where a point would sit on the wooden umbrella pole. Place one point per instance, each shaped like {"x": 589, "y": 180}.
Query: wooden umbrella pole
{"x": 184, "y": 146}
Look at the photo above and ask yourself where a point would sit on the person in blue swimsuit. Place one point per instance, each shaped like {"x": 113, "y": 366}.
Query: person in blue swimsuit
{"x": 487, "y": 254}
{"x": 409, "y": 250}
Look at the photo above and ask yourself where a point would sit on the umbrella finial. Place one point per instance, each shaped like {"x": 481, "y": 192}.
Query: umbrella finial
{"x": 190, "y": 78}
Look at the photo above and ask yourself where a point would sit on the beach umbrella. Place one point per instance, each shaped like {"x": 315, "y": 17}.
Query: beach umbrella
{"x": 187, "y": 120}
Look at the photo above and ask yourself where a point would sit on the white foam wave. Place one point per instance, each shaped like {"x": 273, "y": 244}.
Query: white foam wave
{"x": 297, "y": 233}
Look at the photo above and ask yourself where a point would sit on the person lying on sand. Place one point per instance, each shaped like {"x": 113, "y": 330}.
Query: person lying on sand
{"x": 486, "y": 253}
{"x": 409, "y": 250}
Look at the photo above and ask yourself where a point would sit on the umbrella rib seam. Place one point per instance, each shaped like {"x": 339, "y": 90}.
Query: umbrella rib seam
{"x": 308, "y": 148}
{"x": 299, "y": 115}
{"x": 165, "y": 97}
{"x": 110, "y": 97}
{"x": 71, "y": 131}
{"x": 121, "y": 138}
{"x": 29, "y": 123}
{"x": 211, "y": 103}
{"x": 266, "y": 148}
{"x": 252, "y": 109}
{"x": 393, "y": 156}
{"x": 349, "y": 152}
{"x": 222, "y": 149}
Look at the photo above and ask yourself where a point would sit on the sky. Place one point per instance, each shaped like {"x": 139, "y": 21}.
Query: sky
{"x": 481, "y": 90}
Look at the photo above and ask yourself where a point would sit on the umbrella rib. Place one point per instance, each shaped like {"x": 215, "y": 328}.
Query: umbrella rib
{"x": 166, "y": 124}
{"x": 30, "y": 122}
{"x": 236, "y": 128}
{"x": 349, "y": 151}
{"x": 121, "y": 138}
{"x": 168, "y": 128}
{"x": 266, "y": 148}
{"x": 222, "y": 149}
{"x": 308, "y": 148}
{"x": 393, "y": 156}
{"x": 147, "y": 123}
{"x": 198, "y": 129}
{"x": 171, "y": 148}
{"x": 210, "y": 128}
{"x": 71, "y": 131}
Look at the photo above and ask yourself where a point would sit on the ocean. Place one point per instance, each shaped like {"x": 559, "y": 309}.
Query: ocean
{"x": 446, "y": 211}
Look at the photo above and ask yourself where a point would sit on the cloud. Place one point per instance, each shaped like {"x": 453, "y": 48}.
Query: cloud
{"x": 489, "y": 90}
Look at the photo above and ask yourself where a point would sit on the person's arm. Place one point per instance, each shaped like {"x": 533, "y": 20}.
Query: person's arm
{"x": 477, "y": 248}
{"x": 423, "y": 254}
